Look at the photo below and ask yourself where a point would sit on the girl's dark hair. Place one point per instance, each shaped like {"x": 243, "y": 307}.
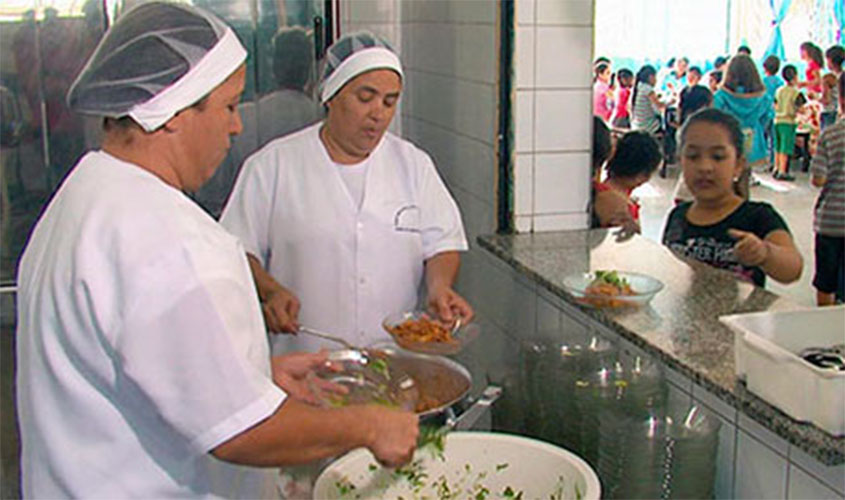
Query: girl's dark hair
{"x": 637, "y": 152}
{"x": 742, "y": 75}
{"x": 624, "y": 74}
{"x": 599, "y": 69}
{"x": 601, "y": 144}
{"x": 716, "y": 75}
{"x": 836, "y": 54}
{"x": 789, "y": 73}
{"x": 814, "y": 52}
{"x": 721, "y": 118}
{"x": 841, "y": 89}
{"x": 643, "y": 75}
{"x": 695, "y": 69}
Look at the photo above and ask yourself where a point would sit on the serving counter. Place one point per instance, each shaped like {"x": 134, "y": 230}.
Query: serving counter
{"x": 679, "y": 328}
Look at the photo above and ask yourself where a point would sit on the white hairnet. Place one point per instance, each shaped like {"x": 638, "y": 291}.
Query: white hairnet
{"x": 352, "y": 55}
{"x": 158, "y": 59}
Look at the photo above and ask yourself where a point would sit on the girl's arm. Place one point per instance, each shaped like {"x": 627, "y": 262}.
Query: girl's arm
{"x": 652, "y": 96}
{"x": 776, "y": 255}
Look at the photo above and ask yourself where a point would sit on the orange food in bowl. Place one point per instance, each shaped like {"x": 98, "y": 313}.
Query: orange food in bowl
{"x": 421, "y": 330}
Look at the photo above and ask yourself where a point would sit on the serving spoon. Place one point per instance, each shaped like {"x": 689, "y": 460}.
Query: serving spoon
{"x": 328, "y": 336}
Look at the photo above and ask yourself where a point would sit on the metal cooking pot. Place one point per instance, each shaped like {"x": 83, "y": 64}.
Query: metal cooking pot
{"x": 443, "y": 385}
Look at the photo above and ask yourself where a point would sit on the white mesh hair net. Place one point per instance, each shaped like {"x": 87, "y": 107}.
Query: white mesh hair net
{"x": 352, "y": 55}
{"x": 156, "y": 60}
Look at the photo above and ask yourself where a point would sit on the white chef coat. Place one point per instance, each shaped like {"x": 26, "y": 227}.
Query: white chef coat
{"x": 350, "y": 267}
{"x": 141, "y": 345}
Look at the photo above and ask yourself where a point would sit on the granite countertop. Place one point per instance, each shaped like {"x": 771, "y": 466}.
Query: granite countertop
{"x": 680, "y": 326}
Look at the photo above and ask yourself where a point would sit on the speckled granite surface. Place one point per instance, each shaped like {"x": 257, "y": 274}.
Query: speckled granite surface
{"x": 680, "y": 326}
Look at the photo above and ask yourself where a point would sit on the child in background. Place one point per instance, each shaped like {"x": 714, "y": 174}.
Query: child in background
{"x": 621, "y": 117}
{"x": 635, "y": 159}
{"x": 692, "y": 100}
{"x": 812, "y": 55}
{"x": 828, "y": 172}
{"x": 786, "y": 109}
{"x": 772, "y": 82}
{"x": 834, "y": 56}
{"x": 714, "y": 81}
{"x": 743, "y": 95}
{"x": 646, "y": 108}
{"x": 602, "y": 92}
{"x": 719, "y": 227}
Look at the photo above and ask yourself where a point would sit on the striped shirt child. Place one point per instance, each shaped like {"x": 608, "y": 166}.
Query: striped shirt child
{"x": 829, "y": 162}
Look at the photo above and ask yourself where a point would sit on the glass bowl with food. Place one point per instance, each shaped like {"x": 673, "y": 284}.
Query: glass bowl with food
{"x": 419, "y": 331}
{"x": 362, "y": 376}
{"x": 612, "y": 289}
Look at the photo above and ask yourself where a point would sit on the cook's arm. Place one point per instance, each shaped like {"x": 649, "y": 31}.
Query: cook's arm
{"x": 441, "y": 271}
{"x": 278, "y": 304}
{"x": 299, "y": 433}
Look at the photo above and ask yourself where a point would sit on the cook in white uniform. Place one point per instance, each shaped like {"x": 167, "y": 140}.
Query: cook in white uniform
{"x": 143, "y": 362}
{"x": 347, "y": 217}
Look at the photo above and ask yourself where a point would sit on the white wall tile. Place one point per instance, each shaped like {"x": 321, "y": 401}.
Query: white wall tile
{"x": 523, "y": 184}
{"x": 525, "y": 10}
{"x": 833, "y": 476}
{"x": 561, "y": 183}
{"x": 524, "y": 223}
{"x": 475, "y": 168}
{"x": 524, "y": 121}
{"x": 760, "y": 472}
{"x": 578, "y": 12}
{"x": 423, "y": 11}
{"x": 524, "y": 57}
{"x": 564, "y": 56}
{"x": 563, "y": 120}
{"x": 565, "y": 222}
{"x": 473, "y": 11}
{"x": 769, "y": 438}
{"x": 373, "y": 10}
{"x": 476, "y": 53}
{"x": 725, "y": 455}
{"x": 803, "y": 486}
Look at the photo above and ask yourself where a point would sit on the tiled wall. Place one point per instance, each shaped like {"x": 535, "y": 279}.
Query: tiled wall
{"x": 552, "y": 121}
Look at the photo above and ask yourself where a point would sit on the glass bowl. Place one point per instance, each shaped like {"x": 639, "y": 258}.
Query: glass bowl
{"x": 419, "y": 331}
{"x": 356, "y": 377}
{"x": 642, "y": 286}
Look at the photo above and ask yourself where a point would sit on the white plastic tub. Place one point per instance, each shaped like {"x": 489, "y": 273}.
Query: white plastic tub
{"x": 473, "y": 465}
{"x": 766, "y": 349}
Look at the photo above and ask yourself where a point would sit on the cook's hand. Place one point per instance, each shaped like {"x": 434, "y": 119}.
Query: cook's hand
{"x": 290, "y": 372}
{"x": 749, "y": 249}
{"x": 281, "y": 311}
{"x": 446, "y": 304}
{"x": 394, "y": 436}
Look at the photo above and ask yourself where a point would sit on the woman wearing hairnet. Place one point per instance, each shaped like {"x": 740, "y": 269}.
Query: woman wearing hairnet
{"x": 143, "y": 363}
{"x": 346, "y": 216}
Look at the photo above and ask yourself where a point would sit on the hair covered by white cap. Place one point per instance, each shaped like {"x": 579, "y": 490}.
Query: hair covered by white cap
{"x": 158, "y": 59}
{"x": 352, "y": 55}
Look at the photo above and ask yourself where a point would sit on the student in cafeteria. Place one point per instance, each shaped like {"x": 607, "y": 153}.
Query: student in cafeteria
{"x": 828, "y": 172}
{"x": 787, "y": 102}
{"x": 621, "y": 117}
{"x": 602, "y": 92}
{"x": 646, "y": 108}
{"x": 743, "y": 95}
{"x": 720, "y": 227}
{"x": 835, "y": 56}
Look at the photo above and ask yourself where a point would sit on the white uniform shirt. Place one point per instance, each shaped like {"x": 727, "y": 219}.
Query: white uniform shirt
{"x": 350, "y": 267}
{"x": 141, "y": 345}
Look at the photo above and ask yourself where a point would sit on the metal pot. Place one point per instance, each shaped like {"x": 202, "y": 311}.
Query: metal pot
{"x": 443, "y": 385}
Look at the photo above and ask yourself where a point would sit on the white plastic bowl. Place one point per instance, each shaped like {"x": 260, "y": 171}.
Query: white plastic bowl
{"x": 470, "y": 461}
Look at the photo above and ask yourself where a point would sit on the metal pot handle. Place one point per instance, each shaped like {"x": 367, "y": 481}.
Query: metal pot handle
{"x": 471, "y": 415}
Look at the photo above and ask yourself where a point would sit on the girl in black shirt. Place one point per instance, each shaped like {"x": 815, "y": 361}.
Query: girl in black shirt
{"x": 718, "y": 227}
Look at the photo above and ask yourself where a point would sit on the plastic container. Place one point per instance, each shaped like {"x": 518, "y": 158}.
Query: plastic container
{"x": 460, "y": 335}
{"x": 472, "y": 465}
{"x": 766, "y": 349}
{"x": 644, "y": 287}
